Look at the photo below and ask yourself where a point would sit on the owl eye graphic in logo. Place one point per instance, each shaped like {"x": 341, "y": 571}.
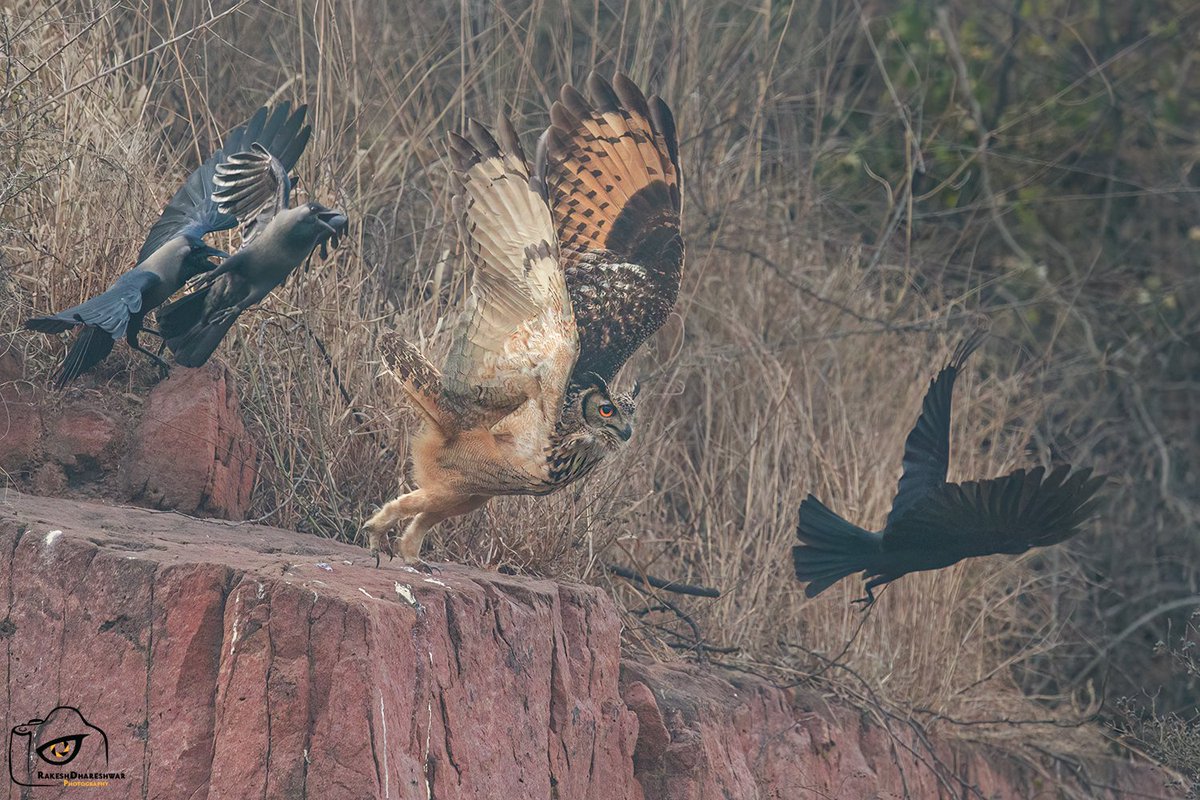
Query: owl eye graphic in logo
{"x": 59, "y": 739}
{"x": 62, "y": 750}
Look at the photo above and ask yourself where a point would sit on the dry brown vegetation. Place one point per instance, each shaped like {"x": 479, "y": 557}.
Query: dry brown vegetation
{"x": 1171, "y": 737}
{"x": 846, "y": 220}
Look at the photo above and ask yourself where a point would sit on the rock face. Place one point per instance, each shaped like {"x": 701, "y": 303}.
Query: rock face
{"x": 227, "y": 661}
{"x": 190, "y": 451}
{"x": 232, "y": 661}
{"x": 704, "y": 735}
{"x": 183, "y": 447}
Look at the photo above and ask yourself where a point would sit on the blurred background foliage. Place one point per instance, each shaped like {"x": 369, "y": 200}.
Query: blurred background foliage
{"x": 863, "y": 180}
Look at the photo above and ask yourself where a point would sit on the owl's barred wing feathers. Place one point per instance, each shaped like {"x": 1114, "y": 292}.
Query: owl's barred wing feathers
{"x": 420, "y": 379}
{"x": 517, "y": 337}
{"x": 611, "y": 172}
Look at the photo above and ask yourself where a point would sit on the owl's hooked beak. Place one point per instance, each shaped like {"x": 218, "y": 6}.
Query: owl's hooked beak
{"x": 626, "y": 433}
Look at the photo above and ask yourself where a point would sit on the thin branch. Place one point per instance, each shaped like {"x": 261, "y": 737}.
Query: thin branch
{"x": 642, "y": 579}
{"x": 985, "y": 136}
{"x": 134, "y": 59}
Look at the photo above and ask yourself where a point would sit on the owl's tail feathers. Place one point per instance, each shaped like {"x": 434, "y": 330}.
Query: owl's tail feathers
{"x": 420, "y": 379}
{"x": 831, "y": 548}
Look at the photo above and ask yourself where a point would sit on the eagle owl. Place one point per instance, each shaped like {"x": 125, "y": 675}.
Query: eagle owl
{"x": 576, "y": 262}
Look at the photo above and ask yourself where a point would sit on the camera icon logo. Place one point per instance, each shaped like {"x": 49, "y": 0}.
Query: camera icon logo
{"x": 56, "y": 741}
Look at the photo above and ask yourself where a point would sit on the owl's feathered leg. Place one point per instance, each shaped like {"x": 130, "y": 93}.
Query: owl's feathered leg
{"x": 425, "y": 509}
{"x": 380, "y": 528}
{"x": 414, "y": 534}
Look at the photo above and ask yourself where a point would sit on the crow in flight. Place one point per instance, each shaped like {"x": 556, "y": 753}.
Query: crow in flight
{"x": 254, "y": 186}
{"x": 174, "y": 251}
{"x": 934, "y": 524}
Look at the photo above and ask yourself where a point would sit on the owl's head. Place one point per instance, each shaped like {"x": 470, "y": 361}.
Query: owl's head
{"x": 607, "y": 415}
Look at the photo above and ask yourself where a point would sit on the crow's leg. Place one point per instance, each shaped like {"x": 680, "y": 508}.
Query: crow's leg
{"x": 867, "y": 601}
{"x": 163, "y": 367}
{"x": 162, "y": 341}
{"x": 869, "y": 588}
{"x": 211, "y": 275}
{"x": 230, "y": 313}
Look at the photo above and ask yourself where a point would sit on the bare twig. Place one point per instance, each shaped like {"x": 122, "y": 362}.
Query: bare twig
{"x": 642, "y": 579}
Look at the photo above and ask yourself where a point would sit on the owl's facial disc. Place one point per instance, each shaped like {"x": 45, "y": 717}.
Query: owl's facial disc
{"x": 607, "y": 417}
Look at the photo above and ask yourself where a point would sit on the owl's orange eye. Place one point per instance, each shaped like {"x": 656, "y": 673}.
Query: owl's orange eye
{"x": 606, "y": 410}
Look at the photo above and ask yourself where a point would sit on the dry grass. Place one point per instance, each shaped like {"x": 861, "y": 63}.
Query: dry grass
{"x": 796, "y": 364}
{"x": 1172, "y": 738}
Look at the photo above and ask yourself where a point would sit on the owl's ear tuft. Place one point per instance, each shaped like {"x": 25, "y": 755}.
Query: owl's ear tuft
{"x": 636, "y": 390}
{"x": 595, "y": 380}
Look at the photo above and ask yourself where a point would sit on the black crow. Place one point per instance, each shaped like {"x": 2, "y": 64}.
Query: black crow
{"x": 934, "y": 524}
{"x": 174, "y": 250}
{"x": 253, "y": 185}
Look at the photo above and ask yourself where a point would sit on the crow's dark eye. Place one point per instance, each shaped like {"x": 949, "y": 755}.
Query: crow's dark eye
{"x": 607, "y": 410}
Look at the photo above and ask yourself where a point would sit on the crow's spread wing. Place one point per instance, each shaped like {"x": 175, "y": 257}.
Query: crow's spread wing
{"x": 1003, "y": 515}
{"x": 927, "y": 448}
{"x": 251, "y": 182}
{"x": 193, "y": 209}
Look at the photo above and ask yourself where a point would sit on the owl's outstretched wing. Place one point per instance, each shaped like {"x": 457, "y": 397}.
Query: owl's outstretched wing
{"x": 517, "y": 338}
{"x": 611, "y": 170}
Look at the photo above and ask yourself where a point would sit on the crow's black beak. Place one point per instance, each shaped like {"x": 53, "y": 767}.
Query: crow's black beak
{"x": 335, "y": 221}
{"x": 212, "y": 252}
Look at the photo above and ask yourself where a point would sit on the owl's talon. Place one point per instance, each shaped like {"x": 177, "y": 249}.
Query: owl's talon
{"x": 380, "y": 542}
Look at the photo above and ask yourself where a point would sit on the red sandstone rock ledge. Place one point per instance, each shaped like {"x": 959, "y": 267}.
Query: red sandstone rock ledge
{"x": 183, "y": 446}
{"x": 234, "y": 661}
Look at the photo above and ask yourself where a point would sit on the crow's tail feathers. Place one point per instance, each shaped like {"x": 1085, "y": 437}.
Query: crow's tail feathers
{"x": 90, "y": 347}
{"x": 49, "y": 324}
{"x": 197, "y": 345}
{"x": 180, "y": 316}
{"x": 831, "y": 548}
